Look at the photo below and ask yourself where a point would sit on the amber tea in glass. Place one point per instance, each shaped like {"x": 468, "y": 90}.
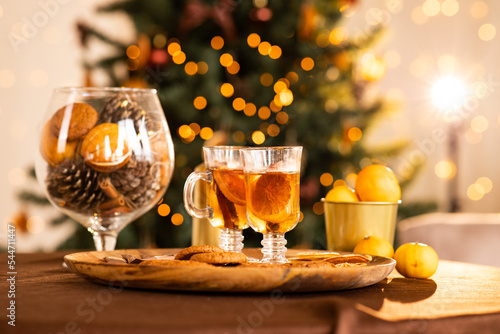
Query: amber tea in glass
{"x": 227, "y": 198}
{"x": 273, "y": 201}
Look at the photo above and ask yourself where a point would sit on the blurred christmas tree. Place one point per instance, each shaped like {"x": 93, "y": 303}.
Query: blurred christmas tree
{"x": 252, "y": 73}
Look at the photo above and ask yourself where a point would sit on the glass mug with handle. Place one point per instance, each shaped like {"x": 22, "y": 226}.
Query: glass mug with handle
{"x": 226, "y": 194}
{"x": 272, "y": 179}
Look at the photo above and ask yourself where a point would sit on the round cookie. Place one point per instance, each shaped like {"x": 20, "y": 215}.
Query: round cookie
{"x": 75, "y": 119}
{"x": 186, "y": 253}
{"x": 220, "y": 258}
{"x": 52, "y": 151}
{"x": 173, "y": 263}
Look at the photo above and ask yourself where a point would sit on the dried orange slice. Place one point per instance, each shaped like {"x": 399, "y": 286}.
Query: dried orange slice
{"x": 232, "y": 184}
{"x": 270, "y": 194}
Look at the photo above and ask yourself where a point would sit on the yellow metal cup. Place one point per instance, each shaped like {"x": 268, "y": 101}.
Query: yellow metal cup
{"x": 349, "y": 222}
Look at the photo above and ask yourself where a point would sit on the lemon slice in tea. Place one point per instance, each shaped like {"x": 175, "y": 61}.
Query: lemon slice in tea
{"x": 270, "y": 195}
{"x": 232, "y": 184}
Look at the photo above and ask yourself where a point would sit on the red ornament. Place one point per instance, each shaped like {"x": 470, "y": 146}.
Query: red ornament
{"x": 159, "y": 56}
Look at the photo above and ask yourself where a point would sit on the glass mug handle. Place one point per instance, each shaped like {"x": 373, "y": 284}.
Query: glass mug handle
{"x": 206, "y": 212}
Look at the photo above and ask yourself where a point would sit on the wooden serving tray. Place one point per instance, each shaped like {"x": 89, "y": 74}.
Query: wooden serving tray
{"x": 91, "y": 266}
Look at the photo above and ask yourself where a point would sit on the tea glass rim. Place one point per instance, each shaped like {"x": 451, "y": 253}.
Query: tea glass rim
{"x": 271, "y": 148}
{"x": 100, "y": 90}
{"x": 224, "y": 147}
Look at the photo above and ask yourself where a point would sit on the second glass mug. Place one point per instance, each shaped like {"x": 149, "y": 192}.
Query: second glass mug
{"x": 272, "y": 179}
{"x": 226, "y": 194}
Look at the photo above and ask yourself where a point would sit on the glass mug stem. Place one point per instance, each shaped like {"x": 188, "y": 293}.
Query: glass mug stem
{"x": 274, "y": 249}
{"x": 231, "y": 240}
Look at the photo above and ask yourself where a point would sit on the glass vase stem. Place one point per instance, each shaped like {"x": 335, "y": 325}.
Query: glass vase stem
{"x": 105, "y": 241}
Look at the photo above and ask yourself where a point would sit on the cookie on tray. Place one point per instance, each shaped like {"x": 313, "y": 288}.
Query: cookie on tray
{"x": 187, "y": 253}
{"x": 220, "y": 258}
{"x": 173, "y": 263}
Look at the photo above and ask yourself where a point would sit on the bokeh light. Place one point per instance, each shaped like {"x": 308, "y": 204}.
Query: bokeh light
{"x": 227, "y": 90}
{"x": 473, "y": 137}
{"x": 264, "y": 48}
{"x": 195, "y": 127}
{"x": 322, "y": 40}
{"x": 226, "y": 59}
{"x": 418, "y": 16}
{"x": 339, "y": 182}
{"x": 202, "y": 67}
{"x": 177, "y": 219}
{"x": 326, "y": 179}
{"x": 354, "y": 134}
{"x": 133, "y": 52}
{"x": 258, "y": 137}
{"x": 173, "y": 48}
{"x": 338, "y": 35}
{"x": 431, "y": 7}
{"x": 253, "y": 40}
{"x": 266, "y": 79}
{"x": 239, "y": 104}
{"x": 238, "y": 137}
{"x": 487, "y": 32}
{"x": 485, "y": 183}
{"x": 475, "y": 192}
{"x": 35, "y": 224}
{"x": 250, "y": 109}
{"x": 200, "y": 102}
{"x": 275, "y": 52}
{"x": 206, "y": 133}
{"x": 264, "y": 113}
{"x": 445, "y": 169}
{"x": 234, "y": 67}
{"x": 292, "y": 77}
{"x": 318, "y": 208}
{"x": 163, "y": 210}
{"x": 479, "y": 124}
{"x": 282, "y": 117}
{"x": 179, "y": 57}
{"x": 191, "y": 68}
{"x": 217, "y": 43}
{"x": 159, "y": 41}
{"x": 449, "y": 7}
{"x": 307, "y": 64}
{"x": 273, "y": 130}
{"x": 479, "y": 9}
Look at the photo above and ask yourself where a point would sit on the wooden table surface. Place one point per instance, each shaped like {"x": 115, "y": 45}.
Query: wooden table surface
{"x": 459, "y": 298}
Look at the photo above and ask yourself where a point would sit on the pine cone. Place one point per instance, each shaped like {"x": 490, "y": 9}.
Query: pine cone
{"x": 123, "y": 107}
{"x": 137, "y": 181}
{"x": 75, "y": 185}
